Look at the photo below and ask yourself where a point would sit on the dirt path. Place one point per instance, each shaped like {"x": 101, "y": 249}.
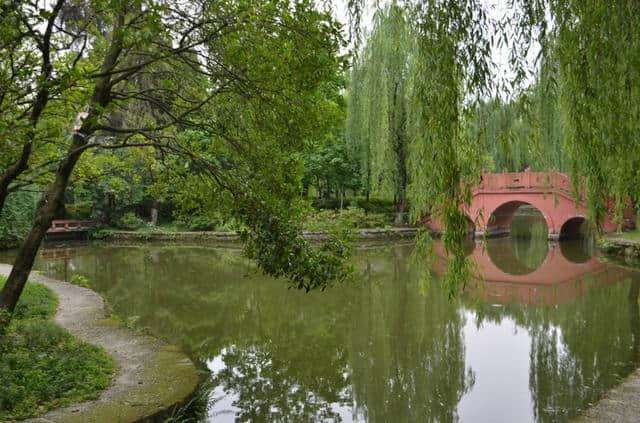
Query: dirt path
{"x": 151, "y": 377}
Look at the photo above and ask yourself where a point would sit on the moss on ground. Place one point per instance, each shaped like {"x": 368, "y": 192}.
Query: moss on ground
{"x": 631, "y": 236}
{"x": 42, "y": 366}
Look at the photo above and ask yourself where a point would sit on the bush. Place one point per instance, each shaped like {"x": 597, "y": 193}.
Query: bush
{"x": 16, "y": 218}
{"x": 42, "y": 365}
{"x": 80, "y": 210}
{"x": 196, "y": 223}
{"x": 199, "y": 223}
{"x": 350, "y": 218}
{"x": 80, "y": 281}
{"x": 130, "y": 221}
{"x": 373, "y": 205}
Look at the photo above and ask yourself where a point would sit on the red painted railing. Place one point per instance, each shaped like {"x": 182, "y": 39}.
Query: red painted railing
{"x": 525, "y": 180}
{"x": 70, "y": 226}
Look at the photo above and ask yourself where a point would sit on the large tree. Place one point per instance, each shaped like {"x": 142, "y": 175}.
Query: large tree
{"x": 231, "y": 86}
{"x": 377, "y": 125}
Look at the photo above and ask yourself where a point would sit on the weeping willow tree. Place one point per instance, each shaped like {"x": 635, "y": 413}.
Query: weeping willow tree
{"x": 596, "y": 48}
{"x": 503, "y": 130}
{"x": 451, "y": 67}
{"x": 589, "y": 73}
{"x": 377, "y": 122}
{"x": 523, "y": 132}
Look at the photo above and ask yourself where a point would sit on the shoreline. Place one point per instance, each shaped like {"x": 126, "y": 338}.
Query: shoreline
{"x": 621, "y": 248}
{"x": 152, "y": 377}
{"x": 621, "y": 404}
{"x": 233, "y": 237}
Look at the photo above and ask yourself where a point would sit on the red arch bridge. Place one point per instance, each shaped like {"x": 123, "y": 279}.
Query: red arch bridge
{"x": 499, "y": 195}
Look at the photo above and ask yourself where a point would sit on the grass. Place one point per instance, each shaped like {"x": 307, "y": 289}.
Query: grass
{"x": 42, "y": 366}
{"x": 349, "y": 218}
{"x": 165, "y": 227}
{"x": 631, "y": 236}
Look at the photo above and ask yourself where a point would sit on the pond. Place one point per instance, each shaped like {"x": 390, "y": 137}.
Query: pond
{"x": 539, "y": 335}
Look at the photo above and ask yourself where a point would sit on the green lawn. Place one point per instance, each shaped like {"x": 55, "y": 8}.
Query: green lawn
{"x": 43, "y": 366}
{"x": 631, "y": 236}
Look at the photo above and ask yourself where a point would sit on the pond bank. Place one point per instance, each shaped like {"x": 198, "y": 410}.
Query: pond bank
{"x": 152, "y": 377}
{"x": 620, "y": 405}
{"x": 623, "y": 246}
{"x": 231, "y": 237}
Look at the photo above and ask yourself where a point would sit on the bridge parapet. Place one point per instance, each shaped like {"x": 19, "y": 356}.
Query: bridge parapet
{"x": 524, "y": 180}
{"x": 70, "y": 226}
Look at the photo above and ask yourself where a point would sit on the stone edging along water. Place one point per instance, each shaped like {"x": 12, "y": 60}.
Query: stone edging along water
{"x": 151, "y": 378}
{"x": 620, "y": 405}
{"x": 361, "y": 234}
{"x": 626, "y": 249}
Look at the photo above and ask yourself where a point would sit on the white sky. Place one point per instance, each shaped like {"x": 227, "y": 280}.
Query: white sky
{"x": 496, "y": 10}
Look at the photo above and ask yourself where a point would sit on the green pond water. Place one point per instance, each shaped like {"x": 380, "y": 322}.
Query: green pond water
{"x": 545, "y": 335}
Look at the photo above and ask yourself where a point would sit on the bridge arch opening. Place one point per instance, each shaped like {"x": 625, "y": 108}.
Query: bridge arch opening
{"x": 578, "y": 244}
{"x": 574, "y": 228}
{"x": 577, "y": 250}
{"x": 517, "y": 256}
{"x": 518, "y": 219}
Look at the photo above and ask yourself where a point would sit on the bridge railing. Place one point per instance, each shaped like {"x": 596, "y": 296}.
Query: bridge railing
{"x": 525, "y": 180}
{"x": 70, "y": 225}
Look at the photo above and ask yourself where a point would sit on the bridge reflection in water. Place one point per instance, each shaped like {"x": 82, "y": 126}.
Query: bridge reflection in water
{"x": 533, "y": 271}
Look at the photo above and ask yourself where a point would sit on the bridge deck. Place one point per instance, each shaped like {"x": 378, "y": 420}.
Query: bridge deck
{"x": 70, "y": 226}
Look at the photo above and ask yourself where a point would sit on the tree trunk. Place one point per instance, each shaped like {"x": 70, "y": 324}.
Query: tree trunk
{"x": 154, "y": 213}
{"x": 50, "y": 202}
{"x": 53, "y": 197}
{"x": 398, "y": 122}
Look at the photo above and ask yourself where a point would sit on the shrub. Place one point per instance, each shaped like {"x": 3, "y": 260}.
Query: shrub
{"x": 373, "y": 205}
{"x": 350, "y": 218}
{"x": 196, "y": 223}
{"x": 16, "y": 218}
{"x": 130, "y": 221}
{"x": 200, "y": 223}
{"x": 80, "y": 281}
{"x": 79, "y": 210}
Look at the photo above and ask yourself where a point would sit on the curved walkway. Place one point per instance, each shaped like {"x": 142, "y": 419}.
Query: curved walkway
{"x": 151, "y": 378}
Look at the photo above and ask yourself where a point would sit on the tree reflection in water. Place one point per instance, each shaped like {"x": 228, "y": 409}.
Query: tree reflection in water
{"x": 582, "y": 348}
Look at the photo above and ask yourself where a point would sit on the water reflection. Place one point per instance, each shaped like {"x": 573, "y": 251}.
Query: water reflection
{"x": 535, "y": 346}
{"x": 570, "y": 346}
{"x": 559, "y": 277}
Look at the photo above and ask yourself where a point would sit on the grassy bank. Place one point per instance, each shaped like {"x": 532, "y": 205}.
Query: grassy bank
{"x": 630, "y": 236}
{"x": 42, "y": 366}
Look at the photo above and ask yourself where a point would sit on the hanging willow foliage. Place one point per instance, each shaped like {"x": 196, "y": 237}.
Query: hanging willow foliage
{"x": 376, "y": 128}
{"x": 597, "y": 48}
{"x": 587, "y": 99}
{"x": 450, "y": 68}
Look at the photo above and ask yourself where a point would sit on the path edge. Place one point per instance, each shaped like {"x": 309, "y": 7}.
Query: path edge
{"x": 152, "y": 378}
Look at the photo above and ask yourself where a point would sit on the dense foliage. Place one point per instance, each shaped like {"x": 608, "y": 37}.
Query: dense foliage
{"x": 16, "y": 218}
{"x": 217, "y": 103}
{"x": 377, "y": 121}
{"x": 229, "y": 114}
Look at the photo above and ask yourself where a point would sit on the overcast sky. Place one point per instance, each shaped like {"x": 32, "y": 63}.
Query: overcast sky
{"x": 496, "y": 10}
